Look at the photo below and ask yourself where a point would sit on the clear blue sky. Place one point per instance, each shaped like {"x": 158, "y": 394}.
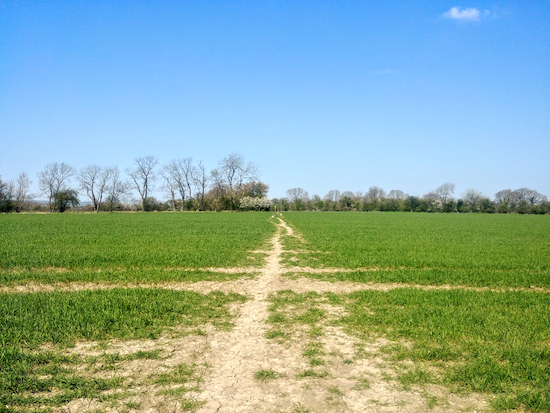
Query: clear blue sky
{"x": 320, "y": 94}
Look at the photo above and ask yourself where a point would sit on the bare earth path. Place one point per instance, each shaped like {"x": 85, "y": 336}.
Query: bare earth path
{"x": 236, "y": 357}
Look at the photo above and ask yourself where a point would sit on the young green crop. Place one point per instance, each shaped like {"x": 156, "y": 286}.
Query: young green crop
{"x": 10, "y": 277}
{"x": 62, "y": 317}
{"x": 481, "y": 341}
{"x": 80, "y": 241}
{"x": 471, "y": 249}
{"x": 29, "y": 376}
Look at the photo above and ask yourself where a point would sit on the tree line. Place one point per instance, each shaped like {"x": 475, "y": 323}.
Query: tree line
{"x": 233, "y": 185}
{"x": 521, "y": 201}
{"x": 189, "y": 186}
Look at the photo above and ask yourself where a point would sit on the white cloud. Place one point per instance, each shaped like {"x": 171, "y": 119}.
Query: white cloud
{"x": 469, "y": 14}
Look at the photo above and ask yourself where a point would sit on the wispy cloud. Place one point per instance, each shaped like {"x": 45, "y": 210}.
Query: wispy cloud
{"x": 468, "y": 14}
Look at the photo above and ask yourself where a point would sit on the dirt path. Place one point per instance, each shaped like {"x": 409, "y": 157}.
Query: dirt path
{"x": 237, "y": 356}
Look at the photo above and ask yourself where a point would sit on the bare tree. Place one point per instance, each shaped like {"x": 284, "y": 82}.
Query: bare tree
{"x": 473, "y": 198}
{"x": 93, "y": 180}
{"x": 200, "y": 180}
{"x": 174, "y": 181}
{"x": 188, "y": 172}
{"x": 171, "y": 186}
{"x": 53, "y": 179}
{"x": 397, "y": 194}
{"x": 218, "y": 183}
{"x": 233, "y": 171}
{"x": 297, "y": 194}
{"x": 333, "y": 195}
{"x": 375, "y": 193}
{"x": 6, "y": 196}
{"x": 432, "y": 196}
{"x": 445, "y": 192}
{"x": 21, "y": 191}
{"x": 181, "y": 175}
{"x": 528, "y": 195}
{"x": 504, "y": 196}
{"x": 143, "y": 176}
{"x": 115, "y": 188}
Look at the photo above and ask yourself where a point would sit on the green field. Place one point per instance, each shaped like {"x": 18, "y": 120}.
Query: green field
{"x": 132, "y": 240}
{"x": 493, "y": 340}
{"x": 495, "y": 343}
{"x": 28, "y": 377}
{"x": 469, "y": 249}
{"x": 129, "y": 247}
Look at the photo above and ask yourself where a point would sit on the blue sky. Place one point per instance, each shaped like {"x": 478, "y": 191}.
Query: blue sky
{"x": 320, "y": 94}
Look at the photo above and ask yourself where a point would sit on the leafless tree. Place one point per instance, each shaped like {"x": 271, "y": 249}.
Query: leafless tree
{"x": 233, "y": 171}
{"x": 297, "y": 194}
{"x": 5, "y": 197}
{"x": 445, "y": 192}
{"x": 375, "y": 193}
{"x": 170, "y": 186}
{"x": 188, "y": 172}
{"x": 333, "y": 195}
{"x": 473, "y": 198}
{"x": 200, "y": 180}
{"x": 21, "y": 191}
{"x": 143, "y": 176}
{"x": 528, "y": 195}
{"x": 8, "y": 190}
{"x": 536, "y": 198}
{"x": 174, "y": 181}
{"x": 432, "y": 196}
{"x": 93, "y": 180}
{"x": 53, "y": 179}
{"x": 219, "y": 187}
{"x": 180, "y": 172}
{"x": 504, "y": 196}
{"x": 116, "y": 188}
{"x": 397, "y": 194}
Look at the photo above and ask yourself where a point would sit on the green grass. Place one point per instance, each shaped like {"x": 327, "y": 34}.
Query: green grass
{"x": 438, "y": 276}
{"x": 181, "y": 374}
{"x": 264, "y": 375}
{"x": 45, "y": 379}
{"x": 64, "y": 317}
{"x": 289, "y": 310}
{"x": 469, "y": 249}
{"x": 111, "y": 241}
{"x": 488, "y": 342}
{"x": 11, "y": 277}
{"x": 29, "y": 376}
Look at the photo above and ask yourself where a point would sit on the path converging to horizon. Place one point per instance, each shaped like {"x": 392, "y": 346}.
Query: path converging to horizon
{"x": 254, "y": 368}
{"x": 237, "y": 356}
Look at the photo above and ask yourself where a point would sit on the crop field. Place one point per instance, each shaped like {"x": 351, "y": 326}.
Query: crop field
{"x": 434, "y": 249}
{"x": 293, "y": 312}
{"x": 132, "y": 240}
{"x": 128, "y": 247}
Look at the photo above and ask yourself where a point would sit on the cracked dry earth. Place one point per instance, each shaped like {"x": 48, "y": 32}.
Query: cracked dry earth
{"x": 228, "y": 361}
